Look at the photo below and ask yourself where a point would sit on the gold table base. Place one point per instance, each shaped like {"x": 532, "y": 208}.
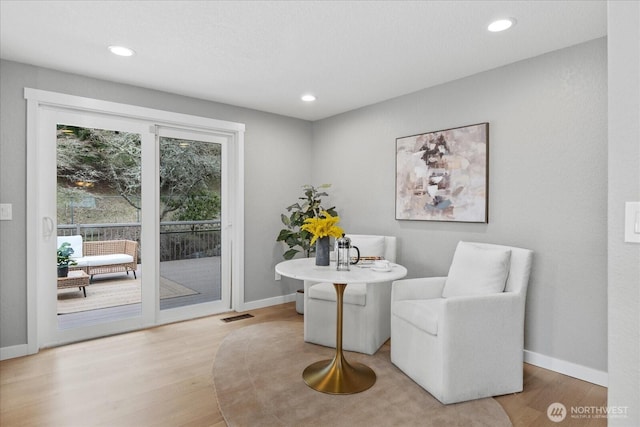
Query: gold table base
{"x": 337, "y": 376}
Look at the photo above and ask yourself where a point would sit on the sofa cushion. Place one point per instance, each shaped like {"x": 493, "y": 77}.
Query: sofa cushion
{"x": 98, "y": 260}
{"x": 423, "y": 314}
{"x": 477, "y": 270}
{"x": 354, "y": 294}
{"x": 81, "y": 262}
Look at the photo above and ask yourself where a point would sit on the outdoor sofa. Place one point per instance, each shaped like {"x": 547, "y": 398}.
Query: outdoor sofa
{"x": 106, "y": 256}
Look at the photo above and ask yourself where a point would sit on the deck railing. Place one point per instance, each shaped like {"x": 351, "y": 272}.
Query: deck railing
{"x": 178, "y": 239}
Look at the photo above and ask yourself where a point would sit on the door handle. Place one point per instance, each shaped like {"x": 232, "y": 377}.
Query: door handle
{"x": 47, "y": 227}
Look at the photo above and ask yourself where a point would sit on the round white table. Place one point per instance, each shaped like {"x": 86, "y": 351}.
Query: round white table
{"x": 337, "y": 376}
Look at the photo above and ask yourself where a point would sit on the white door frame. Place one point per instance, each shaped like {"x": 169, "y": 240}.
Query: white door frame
{"x": 48, "y": 330}
{"x": 38, "y": 103}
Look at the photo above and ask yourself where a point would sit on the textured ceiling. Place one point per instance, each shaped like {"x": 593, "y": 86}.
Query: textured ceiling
{"x": 265, "y": 54}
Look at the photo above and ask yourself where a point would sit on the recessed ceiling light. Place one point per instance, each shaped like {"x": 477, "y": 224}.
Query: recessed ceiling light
{"x": 501, "y": 25}
{"x": 121, "y": 51}
{"x": 308, "y": 98}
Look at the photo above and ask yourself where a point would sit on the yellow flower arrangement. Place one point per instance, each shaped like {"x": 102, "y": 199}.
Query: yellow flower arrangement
{"x": 323, "y": 227}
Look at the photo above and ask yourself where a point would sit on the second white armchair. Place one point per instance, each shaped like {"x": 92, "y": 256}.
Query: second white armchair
{"x": 461, "y": 337}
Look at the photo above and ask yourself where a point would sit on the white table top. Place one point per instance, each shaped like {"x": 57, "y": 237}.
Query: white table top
{"x": 306, "y": 269}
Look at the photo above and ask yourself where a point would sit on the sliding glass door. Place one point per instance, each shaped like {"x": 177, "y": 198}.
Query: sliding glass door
{"x": 149, "y": 201}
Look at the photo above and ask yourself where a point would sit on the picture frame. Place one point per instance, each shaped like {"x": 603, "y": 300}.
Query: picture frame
{"x": 444, "y": 175}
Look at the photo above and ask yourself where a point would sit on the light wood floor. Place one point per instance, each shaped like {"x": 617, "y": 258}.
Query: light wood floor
{"x": 162, "y": 377}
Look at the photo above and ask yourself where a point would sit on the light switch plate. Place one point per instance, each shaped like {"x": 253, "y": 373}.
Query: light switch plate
{"x": 632, "y": 222}
{"x": 6, "y": 212}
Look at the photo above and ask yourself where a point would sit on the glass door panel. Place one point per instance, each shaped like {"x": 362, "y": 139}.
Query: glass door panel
{"x": 191, "y": 255}
{"x": 98, "y": 188}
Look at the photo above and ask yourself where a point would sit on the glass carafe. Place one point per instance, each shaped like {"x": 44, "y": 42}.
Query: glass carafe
{"x": 343, "y": 253}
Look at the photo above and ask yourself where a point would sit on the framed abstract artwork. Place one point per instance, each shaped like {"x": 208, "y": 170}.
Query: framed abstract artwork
{"x": 444, "y": 175}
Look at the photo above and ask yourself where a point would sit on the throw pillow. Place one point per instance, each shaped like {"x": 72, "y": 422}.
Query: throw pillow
{"x": 477, "y": 270}
{"x": 75, "y": 242}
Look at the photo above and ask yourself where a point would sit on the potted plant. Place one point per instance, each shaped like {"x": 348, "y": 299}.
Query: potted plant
{"x": 310, "y": 206}
{"x": 64, "y": 259}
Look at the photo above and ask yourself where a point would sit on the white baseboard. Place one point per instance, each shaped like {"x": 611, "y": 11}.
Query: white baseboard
{"x": 13, "y": 351}
{"x": 268, "y": 302}
{"x": 567, "y": 368}
{"x": 23, "y": 349}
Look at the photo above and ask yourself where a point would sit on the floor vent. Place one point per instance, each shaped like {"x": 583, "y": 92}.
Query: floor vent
{"x": 238, "y": 317}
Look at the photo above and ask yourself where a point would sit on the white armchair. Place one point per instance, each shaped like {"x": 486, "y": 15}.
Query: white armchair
{"x": 366, "y": 306}
{"x": 461, "y": 337}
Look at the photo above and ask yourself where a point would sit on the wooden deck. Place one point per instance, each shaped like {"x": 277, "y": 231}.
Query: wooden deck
{"x": 202, "y": 275}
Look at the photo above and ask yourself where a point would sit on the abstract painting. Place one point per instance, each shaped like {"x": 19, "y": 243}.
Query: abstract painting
{"x": 444, "y": 175}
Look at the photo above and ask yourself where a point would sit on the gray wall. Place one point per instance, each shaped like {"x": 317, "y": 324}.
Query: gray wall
{"x": 548, "y": 187}
{"x": 548, "y": 184}
{"x": 624, "y": 186}
{"x": 277, "y": 163}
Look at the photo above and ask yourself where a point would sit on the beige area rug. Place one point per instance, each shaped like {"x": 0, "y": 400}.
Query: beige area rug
{"x": 113, "y": 294}
{"x": 258, "y": 380}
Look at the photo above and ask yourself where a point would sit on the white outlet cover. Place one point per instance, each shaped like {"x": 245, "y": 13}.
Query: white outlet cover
{"x": 632, "y": 222}
{"x": 6, "y": 212}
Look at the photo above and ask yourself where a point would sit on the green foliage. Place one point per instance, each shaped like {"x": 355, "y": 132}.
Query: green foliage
{"x": 64, "y": 253}
{"x": 199, "y": 206}
{"x": 189, "y": 170}
{"x": 97, "y": 157}
{"x": 310, "y": 206}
